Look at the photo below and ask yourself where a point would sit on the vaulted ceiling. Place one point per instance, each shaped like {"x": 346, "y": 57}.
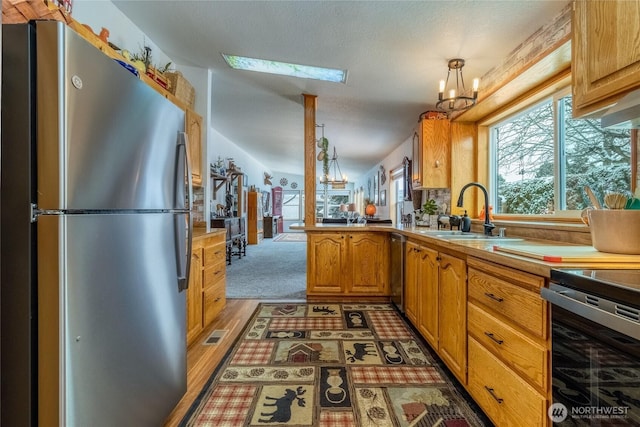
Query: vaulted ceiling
{"x": 395, "y": 53}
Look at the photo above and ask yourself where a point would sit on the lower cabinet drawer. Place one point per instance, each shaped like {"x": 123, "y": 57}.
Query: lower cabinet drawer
{"x": 505, "y": 397}
{"x": 519, "y": 305}
{"x": 214, "y": 302}
{"x": 215, "y": 253}
{"x": 214, "y": 274}
{"x": 520, "y": 352}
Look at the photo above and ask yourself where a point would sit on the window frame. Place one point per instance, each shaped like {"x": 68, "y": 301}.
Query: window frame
{"x": 559, "y": 170}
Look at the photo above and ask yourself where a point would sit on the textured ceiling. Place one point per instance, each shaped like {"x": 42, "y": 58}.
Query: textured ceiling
{"x": 395, "y": 53}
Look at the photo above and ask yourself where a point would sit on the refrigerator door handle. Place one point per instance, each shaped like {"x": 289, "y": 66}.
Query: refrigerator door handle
{"x": 184, "y": 259}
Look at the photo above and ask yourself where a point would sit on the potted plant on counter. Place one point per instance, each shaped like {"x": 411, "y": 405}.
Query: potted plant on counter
{"x": 423, "y": 215}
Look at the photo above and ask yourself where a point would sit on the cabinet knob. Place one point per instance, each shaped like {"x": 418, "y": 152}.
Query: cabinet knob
{"x": 437, "y": 163}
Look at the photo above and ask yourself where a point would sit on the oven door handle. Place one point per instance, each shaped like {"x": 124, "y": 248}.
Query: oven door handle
{"x": 612, "y": 321}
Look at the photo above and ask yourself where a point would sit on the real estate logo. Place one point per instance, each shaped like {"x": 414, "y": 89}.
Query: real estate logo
{"x": 557, "y": 412}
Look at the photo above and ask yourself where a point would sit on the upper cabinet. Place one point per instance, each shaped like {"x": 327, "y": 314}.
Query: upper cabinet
{"x": 431, "y": 154}
{"x": 193, "y": 127}
{"x": 605, "y": 53}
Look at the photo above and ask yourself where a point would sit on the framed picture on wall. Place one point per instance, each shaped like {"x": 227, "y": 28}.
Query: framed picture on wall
{"x": 376, "y": 197}
{"x": 383, "y": 198}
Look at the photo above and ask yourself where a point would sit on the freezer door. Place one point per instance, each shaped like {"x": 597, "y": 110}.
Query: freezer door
{"x": 122, "y": 329}
{"x": 106, "y": 140}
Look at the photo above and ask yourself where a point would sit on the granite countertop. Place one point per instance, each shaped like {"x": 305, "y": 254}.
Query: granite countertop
{"x": 493, "y": 249}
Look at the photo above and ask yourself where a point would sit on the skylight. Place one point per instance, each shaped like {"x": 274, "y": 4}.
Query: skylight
{"x": 286, "y": 69}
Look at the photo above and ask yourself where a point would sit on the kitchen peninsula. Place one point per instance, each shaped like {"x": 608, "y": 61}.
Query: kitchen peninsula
{"x": 478, "y": 306}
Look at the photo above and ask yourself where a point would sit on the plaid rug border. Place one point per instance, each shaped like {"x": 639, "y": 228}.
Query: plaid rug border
{"x": 206, "y": 388}
{"x": 439, "y": 366}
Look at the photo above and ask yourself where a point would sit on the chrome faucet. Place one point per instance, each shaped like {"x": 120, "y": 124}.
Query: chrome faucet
{"x": 488, "y": 226}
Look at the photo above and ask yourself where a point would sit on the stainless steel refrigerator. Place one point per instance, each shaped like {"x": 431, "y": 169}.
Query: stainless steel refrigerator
{"x": 95, "y": 199}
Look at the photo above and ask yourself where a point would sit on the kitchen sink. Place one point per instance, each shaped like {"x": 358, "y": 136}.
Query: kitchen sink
{"x": 460, "y": 235}
{"x": 480, "y": 237}
{"x": 444, "y": 232}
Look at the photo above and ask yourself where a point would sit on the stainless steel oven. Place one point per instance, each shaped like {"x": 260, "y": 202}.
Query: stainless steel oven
{"x": 595, "y": 355}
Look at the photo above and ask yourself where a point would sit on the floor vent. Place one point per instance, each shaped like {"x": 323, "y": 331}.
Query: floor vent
{"x": 215, "y": 337}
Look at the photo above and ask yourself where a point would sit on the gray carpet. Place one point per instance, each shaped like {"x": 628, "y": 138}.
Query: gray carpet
{"x": 271, "y": 270}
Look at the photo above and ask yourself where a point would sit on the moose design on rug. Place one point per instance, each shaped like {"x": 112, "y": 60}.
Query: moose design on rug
{"x": 276, "y": 405}
{"x": 361, "y": 352}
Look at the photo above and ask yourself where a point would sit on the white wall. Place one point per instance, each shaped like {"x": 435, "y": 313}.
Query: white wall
{"x": 219, "y": 145}
{"x": 390, "y": 163}
{"x": 122, "y": 32}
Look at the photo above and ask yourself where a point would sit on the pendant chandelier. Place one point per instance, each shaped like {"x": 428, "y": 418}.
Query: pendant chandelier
{"x": 331, "y": 173}
{"x": 458, "y": 99}
{"x": 335, "y": 178}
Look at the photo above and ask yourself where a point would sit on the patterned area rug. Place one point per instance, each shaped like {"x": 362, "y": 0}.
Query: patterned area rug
{"x": 339, "y": 365}
{"x": 291, "y": 237}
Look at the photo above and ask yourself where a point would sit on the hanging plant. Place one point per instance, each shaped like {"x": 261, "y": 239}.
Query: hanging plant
{"x": 323, "y": 144}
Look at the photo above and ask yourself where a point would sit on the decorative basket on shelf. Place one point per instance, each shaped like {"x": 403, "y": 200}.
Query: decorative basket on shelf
{"x": 181, "y": 88}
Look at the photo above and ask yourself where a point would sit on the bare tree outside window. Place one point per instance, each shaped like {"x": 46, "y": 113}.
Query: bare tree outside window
{"x": 545, "y": 158}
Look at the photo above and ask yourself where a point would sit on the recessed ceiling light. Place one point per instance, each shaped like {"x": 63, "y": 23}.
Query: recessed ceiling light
{"x": 285, "y": 69}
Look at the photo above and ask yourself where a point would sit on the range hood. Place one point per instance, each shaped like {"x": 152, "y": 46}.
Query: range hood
{"x": 625, "y": 114}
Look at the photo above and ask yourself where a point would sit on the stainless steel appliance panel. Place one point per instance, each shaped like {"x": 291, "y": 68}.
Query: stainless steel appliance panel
{"x": 115, "y": 138}
{"x": 397, "y": 270}
{"x": 595, "y": 347}
{"x": 123, "y": 318}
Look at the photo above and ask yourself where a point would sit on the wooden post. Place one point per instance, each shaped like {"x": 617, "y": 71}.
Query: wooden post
{"x": 310, "y": 104}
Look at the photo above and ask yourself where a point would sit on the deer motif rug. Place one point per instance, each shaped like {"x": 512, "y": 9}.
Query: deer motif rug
{"x": 338, "y": 365}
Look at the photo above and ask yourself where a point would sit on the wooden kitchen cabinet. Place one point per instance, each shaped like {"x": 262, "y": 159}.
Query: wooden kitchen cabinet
{"x": 605, "y": 52}
{"x": 194, "y": 293}
{"x": 255, "y": 220}
{"x": 206, "y": 294}
{"x": 193, "y": 128}
{"x": 411, "y": 277}
{"x": 325, "y": 263}
{"x": 509, "y": 344}
{"x": 452, "y": 321}
{"x": 421, "y": 290}
{"x": 348, "y": 263}
{"x": 368, "y": 259}
{"x": 431, "y": 154}
{"x": 435, "y": 302}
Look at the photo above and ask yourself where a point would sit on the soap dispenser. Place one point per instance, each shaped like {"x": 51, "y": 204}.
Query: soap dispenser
{"x": 465, "y": 223}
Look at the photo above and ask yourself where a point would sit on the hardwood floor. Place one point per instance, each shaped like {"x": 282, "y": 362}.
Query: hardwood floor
{"x": 202, "y": 360}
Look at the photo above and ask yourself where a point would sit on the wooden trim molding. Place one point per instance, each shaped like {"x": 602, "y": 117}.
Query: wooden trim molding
{"x": 542, "y": 56}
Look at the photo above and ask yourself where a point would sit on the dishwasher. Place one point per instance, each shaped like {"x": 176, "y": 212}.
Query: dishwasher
{"x": 397, "y": 270}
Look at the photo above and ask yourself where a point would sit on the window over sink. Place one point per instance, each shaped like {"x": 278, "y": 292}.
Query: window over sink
{"x": 542, "y": 159}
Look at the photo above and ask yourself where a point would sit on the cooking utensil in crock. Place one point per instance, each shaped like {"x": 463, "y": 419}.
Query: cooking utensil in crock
{"x": 615, "y": 200}
{"x": 594, "y": 200}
